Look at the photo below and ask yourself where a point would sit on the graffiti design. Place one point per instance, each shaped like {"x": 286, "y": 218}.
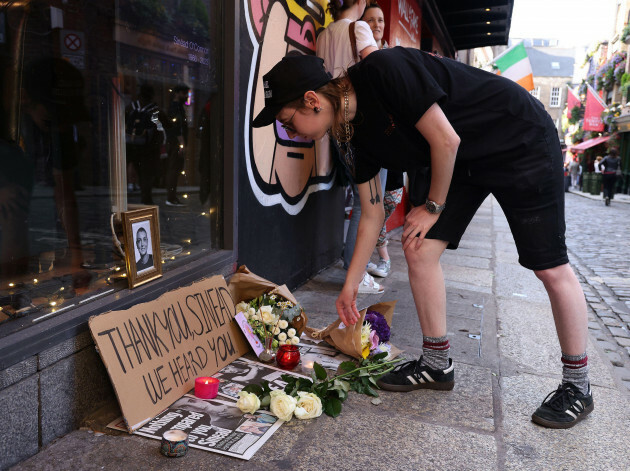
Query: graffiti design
{"x": 282, "y": 170}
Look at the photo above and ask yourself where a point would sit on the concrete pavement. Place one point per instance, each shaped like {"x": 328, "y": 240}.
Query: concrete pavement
{"x": 507, "y": 360}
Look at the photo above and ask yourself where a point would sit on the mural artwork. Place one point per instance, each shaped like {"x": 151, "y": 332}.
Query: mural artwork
{"x": 282, "y": 170}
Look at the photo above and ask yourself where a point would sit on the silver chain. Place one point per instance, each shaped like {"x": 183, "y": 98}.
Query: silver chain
{"x": 346, "y": 124}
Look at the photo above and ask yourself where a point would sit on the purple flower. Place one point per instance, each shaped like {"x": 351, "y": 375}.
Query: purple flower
{"x": 379, "y": 324}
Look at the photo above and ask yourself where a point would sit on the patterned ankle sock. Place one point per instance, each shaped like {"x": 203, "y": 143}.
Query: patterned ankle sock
{"x": 575, "y": 371}
{"x": 435, "y": 352}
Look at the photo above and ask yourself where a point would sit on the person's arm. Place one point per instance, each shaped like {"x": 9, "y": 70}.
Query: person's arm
{"x": 444, "y": 142}
{"x": 366, "y": 51}
{"x": 370, "y": 223}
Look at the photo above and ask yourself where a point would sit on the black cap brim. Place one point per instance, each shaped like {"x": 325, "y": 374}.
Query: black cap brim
{"x": 267, "y": 116}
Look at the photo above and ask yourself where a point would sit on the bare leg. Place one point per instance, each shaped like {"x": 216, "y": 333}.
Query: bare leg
{"x": 427, "y": 285}
{"x": 568, "y": 306}
{"x": 382, "y": 252}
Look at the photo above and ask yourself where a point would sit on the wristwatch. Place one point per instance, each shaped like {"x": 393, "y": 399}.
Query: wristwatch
{"x": 433, "y": 207}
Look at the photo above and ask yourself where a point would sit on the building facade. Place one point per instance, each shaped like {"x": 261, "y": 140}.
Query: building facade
{"x": 552, "y": 68}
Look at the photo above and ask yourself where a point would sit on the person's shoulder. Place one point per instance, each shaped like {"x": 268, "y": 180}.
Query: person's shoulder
{"x": 363, "y": 24}
{"x": 389, "y": 59}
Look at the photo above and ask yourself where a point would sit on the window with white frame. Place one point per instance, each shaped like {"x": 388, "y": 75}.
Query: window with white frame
{"x": 535, "y": 92}
{"x": 554, "y": 100}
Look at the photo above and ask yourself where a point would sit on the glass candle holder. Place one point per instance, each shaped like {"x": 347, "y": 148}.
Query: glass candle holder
{"x": 288, "y": 357}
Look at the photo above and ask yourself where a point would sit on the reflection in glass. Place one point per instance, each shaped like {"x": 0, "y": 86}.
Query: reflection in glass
{"x": 106, "y": 105}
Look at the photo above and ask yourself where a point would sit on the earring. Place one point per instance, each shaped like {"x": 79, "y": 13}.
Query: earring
{"x": 316, "y": 109}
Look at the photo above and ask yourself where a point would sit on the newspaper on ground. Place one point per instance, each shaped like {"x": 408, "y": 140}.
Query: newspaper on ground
{"x": 319, "y": 351}
{"x": 238, "y": 374}
{"x": 215, "y": 425}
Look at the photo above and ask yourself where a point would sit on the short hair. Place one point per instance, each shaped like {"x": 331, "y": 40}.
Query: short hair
{"x": 141, "y": 229}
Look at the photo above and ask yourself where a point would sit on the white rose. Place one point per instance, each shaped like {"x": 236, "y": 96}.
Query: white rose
{"x": 282, "y": 405}
{"x": 295, "y": 340}
{"x": 252, "y": 313}
{"x": 242, "y": 307}
{"x": 247, "y": 402}
{"x": 283, "y": 324}
{"x": 266, "y": 315}
{"x": 308, "y": 406}
{"x": 291, "y": 332}
{"x": 282, "y": 336}
{"x": 276, "y": 331}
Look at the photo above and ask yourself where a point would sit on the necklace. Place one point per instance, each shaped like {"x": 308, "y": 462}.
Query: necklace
{"x": 343, "y": 143}
{"x": 346, "y": 112}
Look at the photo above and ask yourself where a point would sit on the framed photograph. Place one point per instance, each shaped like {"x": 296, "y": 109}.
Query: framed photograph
{"x": 141, "y": 230}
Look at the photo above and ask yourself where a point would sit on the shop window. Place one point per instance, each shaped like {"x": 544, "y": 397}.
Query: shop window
{"x": 554, "y": 99}
{"x": 107, "y": 105}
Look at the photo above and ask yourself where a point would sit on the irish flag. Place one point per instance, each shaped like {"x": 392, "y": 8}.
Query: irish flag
{"x": 514, "y": 64}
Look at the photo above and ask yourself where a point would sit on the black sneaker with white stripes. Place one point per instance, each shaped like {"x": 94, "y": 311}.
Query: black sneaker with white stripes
{"x": 564, "y": 407}
{"x": 412, "y": 375}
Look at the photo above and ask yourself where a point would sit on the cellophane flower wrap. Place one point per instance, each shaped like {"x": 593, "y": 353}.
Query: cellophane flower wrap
{"x": 369, "y": 336}
{"x": 267, "y": 306}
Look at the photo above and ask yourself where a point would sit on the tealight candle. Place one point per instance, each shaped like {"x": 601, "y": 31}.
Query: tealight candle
{"x": 206, "y": 387}
{"x": 174, "y": 443}
{"x": 308, "y": 364}
{"x": 288, "y": 357}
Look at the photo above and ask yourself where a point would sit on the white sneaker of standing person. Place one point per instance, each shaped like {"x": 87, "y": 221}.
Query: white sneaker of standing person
{"x": 382, "y": 269}
{"x": 369, "y": 286}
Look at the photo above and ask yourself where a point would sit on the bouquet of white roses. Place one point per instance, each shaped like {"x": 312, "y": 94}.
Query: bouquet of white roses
{"x": 307, "y": 398}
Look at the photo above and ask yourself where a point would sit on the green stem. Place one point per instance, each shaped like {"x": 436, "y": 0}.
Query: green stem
{"x": 367, "y": 368}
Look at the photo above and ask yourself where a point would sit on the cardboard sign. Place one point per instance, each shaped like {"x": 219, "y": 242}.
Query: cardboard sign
{"x": 154, "y": 351}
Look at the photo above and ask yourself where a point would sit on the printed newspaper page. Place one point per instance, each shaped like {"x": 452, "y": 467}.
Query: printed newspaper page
{"x": 215, "y": 425}
{"x": 238, "y": 374}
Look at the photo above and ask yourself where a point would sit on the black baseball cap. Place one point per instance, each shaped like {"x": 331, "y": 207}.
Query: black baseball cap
{"x": 288, "y": 80}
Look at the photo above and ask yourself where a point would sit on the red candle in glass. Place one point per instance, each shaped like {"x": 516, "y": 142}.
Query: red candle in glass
{"x": 206, "y": 387}
{"x": 288, "y": 357}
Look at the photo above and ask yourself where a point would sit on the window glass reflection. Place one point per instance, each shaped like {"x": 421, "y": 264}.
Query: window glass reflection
{"x": 106, "y": 106}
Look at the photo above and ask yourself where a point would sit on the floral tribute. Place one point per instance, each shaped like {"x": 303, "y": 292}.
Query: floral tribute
{"x": 307, "y": 398}
{"x": 375, "y": 335}
{"x": 271, "y": 315}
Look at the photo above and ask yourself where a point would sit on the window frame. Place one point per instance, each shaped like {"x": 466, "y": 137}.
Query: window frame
{"x": 558, "y": 97}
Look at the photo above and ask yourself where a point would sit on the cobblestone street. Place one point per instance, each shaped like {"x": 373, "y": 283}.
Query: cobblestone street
{"x": 599, "y": 245}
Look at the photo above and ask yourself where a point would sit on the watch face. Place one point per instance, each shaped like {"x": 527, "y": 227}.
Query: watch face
{"x": 433, "y": 207}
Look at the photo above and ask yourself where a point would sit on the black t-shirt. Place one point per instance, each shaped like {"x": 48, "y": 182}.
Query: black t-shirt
{"x": 492, "y": 115}
{"x": 394, "y": 180}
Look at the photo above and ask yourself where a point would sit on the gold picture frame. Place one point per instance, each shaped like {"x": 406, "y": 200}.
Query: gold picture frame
{"x": 143, "y": 257}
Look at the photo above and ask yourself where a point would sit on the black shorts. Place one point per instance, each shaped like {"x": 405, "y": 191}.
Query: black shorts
{"x": 530, "y": 190}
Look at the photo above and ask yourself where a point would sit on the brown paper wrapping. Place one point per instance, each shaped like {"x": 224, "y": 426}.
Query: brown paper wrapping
{"x": 347, "y": 339}
{"x": 245, "y": 286}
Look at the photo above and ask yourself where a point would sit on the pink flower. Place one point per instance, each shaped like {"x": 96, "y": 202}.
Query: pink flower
{"x": 373, "y": 340}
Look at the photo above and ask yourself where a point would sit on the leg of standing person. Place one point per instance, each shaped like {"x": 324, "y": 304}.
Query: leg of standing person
{"x": 391, "y": 199}
{"x": 608, "y": 183}
{"x": 368, "y": 285}
{"x": 148, "y": 162}
{"x": 532, "y": 218}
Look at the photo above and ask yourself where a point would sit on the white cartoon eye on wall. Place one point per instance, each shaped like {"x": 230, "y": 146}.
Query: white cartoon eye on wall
{"x": 282, "y": 170}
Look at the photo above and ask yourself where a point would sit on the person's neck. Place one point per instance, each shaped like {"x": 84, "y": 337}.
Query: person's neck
{"x": 351, "y": 13}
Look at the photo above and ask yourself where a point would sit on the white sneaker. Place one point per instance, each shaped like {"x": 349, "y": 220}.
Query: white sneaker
{"x": 370, "y": 267}
{"x": 382, "y": 269}
{"x": 369, "y": 286}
